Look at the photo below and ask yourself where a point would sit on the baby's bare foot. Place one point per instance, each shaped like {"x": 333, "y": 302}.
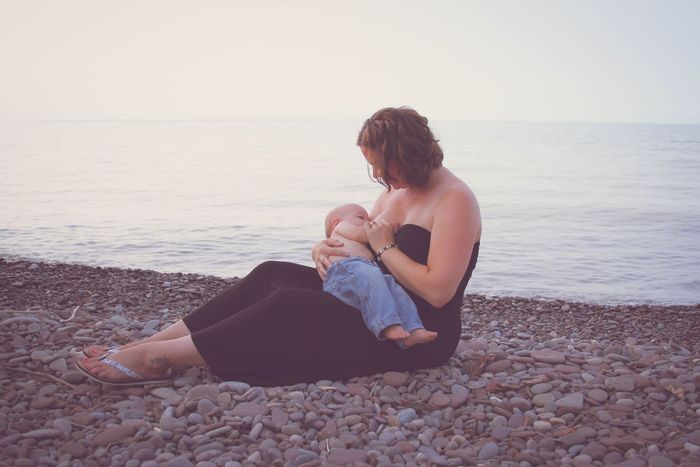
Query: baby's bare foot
{"x": 419, "y": 336}
{"x": 396, "y": 332}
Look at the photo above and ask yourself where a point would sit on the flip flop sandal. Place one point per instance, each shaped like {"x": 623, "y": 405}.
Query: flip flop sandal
{"x": 135, "y": 378}
{"x": 109, "y": 351}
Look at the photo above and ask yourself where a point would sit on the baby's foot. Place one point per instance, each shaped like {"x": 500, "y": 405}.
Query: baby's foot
{"x": 396, "y": 332}
{"x": 419, "y": 336}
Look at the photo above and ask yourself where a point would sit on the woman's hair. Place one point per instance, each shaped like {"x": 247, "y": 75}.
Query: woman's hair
{"x": 403, "y": 137}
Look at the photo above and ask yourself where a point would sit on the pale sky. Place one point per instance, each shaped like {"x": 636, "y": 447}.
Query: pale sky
{"x": 544, "y": 60}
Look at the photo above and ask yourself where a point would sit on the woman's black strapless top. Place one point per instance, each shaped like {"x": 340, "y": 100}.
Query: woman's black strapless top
{"x": 414, "y": 241}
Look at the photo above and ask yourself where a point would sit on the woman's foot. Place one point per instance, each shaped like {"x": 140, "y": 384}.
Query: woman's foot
{"x": 396, "y": 332}
{"x": 419, "y": 336}
{"x": 139, "y": 359}
{"x": 97, "y": 351}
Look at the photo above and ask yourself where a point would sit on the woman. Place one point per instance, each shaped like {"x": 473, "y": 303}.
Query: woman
{"x": 276, "y": 326}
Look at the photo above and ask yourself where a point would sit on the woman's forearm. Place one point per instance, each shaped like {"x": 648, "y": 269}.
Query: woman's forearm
{"x": 417, "y": 278}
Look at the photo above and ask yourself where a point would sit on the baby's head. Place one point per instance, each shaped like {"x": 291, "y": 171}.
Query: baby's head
{"x": 353, "y": 213}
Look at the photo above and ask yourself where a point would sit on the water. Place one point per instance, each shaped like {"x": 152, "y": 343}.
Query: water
{"x": 593, "y": 212}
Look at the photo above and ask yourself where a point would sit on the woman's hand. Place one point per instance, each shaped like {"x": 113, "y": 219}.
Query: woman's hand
{"x": 322, "y": 250}
{"x": 380, "y": 233}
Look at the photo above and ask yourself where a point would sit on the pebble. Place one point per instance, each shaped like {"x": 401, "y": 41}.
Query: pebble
{"x": 620, "y": 383}
{"x": 114, "y": 434}
{"x": 598, "y": 395}
{"x": 395, "y": 378}
{"x": 548, "y": 356}
{"x": 347, "y": 456}
{"x": 249, "y": 409}
{"x": 43, "y": 433}
{"x": 488, "y": 451}
{"x": 570, "y": 403}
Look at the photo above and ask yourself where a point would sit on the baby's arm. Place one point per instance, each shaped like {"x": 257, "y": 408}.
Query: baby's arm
{"x": 351, "y": 231}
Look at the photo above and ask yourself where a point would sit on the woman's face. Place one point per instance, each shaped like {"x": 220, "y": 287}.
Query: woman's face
{"x": 371, "y": 156}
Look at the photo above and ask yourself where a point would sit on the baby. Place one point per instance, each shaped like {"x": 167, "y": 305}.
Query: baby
{"x": 358, "y": 281}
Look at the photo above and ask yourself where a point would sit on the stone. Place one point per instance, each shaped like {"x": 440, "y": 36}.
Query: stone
{"x": 168, "y": 394}
{"x": 598, "y": 395}
{"x": 498, "y": 366}
{"x": 488, "y": 451}
{"x": 660, "y": 461}
{"x": 346, "y": 456}
{"x": 114, "y": 434}
{"x": 440, "y": 401}
{"x": 500, "y": 433}
{"x": 459, "y": 396}
{"x": 329, "y": 431}
{"x": 355, "y": 389}
{"x": 571, "y": 403}
{"x": 43, "y": 433}
{"x": 595, "y": 450}
{"x": 620, "y": 383}
{"x": 548, "y": 356}
{"x": 406, "y": 415}
{"x": 395, "y": 378}
{"x": 520, "y": 403}
{"x": 203, "y": 391}
{"x": 234, "y": 386}
{"x": 279, "y": 417}
{"x": 74, "y": 448}
{"x": 542, "y": 425}
{"x": 572, "y": 439}
{"x": 249, "y": 409}
{"x": 541, "y": 388}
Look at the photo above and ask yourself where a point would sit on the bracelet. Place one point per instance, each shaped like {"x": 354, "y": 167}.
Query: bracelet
{"x": 384, "y": 248}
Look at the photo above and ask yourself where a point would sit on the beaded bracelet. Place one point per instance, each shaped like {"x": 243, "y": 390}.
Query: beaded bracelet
{"x": 384, "y": 248}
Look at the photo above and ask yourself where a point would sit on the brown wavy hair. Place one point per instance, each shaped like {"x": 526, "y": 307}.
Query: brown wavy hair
{"x": 401, "y": 135}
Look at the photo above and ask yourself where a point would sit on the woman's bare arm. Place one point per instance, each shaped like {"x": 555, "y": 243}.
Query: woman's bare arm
{"x": 456, "y": 223}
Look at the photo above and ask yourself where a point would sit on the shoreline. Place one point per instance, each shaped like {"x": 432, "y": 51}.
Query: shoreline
{"x": 579, "y": 301}
{"x": 545, "y": 382}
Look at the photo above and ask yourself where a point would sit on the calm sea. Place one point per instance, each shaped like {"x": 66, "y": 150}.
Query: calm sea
{"x": 595, "y": 212}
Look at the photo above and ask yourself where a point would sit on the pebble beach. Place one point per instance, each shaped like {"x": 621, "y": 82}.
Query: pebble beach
{"x": 532, "y": 383}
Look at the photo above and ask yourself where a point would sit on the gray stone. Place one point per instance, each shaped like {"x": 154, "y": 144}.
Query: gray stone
{"x": 660, "y": 461}
{"x": 44, "y": 433}
{"x": 570, "y": 403}
{"x": 203, "y": 391}
{"x": 346, "y": 456}
{"x": 114, "y": 434}
{"x": 548, "y": 356}
{"x": 620, "y": 383}
{"x": 541, "y": 388}
{"x": 395, "y": 378}
{"x": 488, "y": 451}
{"x": 598, "y": 395}
{"x": 234, "y": 386}
{"x": 249, "y": 409}
{"x": 406, "y": 415}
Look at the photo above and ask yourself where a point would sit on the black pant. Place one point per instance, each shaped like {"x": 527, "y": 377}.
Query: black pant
{"x": 277, "y": 326}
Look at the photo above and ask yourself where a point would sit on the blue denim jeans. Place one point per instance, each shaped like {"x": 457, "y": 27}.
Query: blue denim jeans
{"x": 360, "y": 283}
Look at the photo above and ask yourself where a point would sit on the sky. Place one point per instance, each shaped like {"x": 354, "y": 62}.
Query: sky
{"x": 521, "y": 60}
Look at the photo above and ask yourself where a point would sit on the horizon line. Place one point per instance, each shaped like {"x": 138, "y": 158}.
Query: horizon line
{"x": 319, "y": 119}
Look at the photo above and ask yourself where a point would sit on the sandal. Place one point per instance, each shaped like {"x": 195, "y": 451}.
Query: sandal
{"x": 109, "y": 351}
{"x": 135, "y": 379}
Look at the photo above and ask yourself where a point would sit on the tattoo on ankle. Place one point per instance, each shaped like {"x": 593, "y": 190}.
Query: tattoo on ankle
{"x": 160, "y": 363}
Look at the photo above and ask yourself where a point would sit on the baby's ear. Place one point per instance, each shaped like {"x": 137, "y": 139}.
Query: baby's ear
{"x": 335, "y": 221}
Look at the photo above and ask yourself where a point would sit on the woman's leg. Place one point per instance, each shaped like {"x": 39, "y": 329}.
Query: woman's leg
{"x": 174, "y": 331}
{"x": 260, "y": 283}
{"x": 149, "y": 359}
